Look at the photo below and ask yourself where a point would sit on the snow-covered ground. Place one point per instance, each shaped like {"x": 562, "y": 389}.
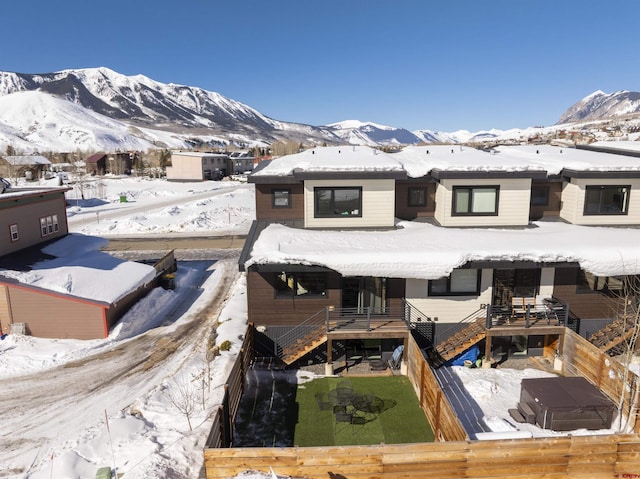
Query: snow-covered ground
{"x": 69, "y": 407}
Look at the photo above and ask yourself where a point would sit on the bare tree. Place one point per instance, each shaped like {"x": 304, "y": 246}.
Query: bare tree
{"x": 626, "y": 304}
{"x": 184, "y": 398}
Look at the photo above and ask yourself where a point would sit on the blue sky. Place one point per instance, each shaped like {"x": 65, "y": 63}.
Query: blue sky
{"x": 416, "y": 64}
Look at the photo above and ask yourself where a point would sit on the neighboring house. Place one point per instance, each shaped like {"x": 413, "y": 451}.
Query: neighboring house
{"x": 196, "y": 166}
{"x": 31, "y": 216}
{"x": 354, "y": 249}
{"x": 57, "y": 285}
{"x": 31, "y": 167}
{"x": 240, "y": 163}
{"x": 96, "y": 164}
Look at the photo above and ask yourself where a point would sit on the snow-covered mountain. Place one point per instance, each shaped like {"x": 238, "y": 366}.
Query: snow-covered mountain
{"x": 373, "y": 134}
{"x": 99, "y": 109}
{"x": 600, "y": 105}
{"x": 137, "y": 101}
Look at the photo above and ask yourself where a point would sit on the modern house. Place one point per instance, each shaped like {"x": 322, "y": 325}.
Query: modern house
{"x": 353, "y": 250}
{"x": 58, "y": 285}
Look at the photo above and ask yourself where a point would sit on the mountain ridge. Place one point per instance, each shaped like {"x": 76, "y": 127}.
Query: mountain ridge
{"x": 143, "y": 113}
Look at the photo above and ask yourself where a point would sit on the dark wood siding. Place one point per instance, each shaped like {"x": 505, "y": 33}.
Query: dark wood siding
{"x": 265, "y": 209}
{"x": 267, "y": 310}
{"x": 583, "y": 305}
{"x": 52, "y": 316}
{"x": 406, "y": 212}
{"x": 552, "y": 208}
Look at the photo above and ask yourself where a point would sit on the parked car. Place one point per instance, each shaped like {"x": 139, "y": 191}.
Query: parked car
{"x": 4, "y": 185}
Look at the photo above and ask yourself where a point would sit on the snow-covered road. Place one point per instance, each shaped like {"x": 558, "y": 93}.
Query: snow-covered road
{"x": 44, "y": 411}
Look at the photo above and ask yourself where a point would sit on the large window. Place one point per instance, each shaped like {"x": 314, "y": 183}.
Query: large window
{"x": 417, "y": 196}
{"x": 460, "y": 282}
{"x": 337, "y": 202}
{"x": 475, "y": 200}
{"x": 300, "y": 284}
{"x": 606, "y": 200}
{"x": 281, "y": 198}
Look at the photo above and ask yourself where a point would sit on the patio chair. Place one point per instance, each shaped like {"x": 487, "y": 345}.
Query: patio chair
{"x": 343, "y": 420}
{"x": 396, "y": 357}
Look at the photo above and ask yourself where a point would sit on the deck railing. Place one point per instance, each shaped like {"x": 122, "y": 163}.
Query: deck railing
{"x": 550, "y": 312}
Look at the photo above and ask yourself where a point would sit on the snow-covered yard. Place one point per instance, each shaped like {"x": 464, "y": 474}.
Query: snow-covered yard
{"x": 69, "y": 407}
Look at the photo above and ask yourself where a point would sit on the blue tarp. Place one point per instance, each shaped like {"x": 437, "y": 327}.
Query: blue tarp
{"x": 470, "y": 354}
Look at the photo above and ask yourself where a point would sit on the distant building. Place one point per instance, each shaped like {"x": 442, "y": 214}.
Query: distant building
{"x": 96, "y": 164}
{"x": 31, "y": 167}
{"x": 196, "y": 166}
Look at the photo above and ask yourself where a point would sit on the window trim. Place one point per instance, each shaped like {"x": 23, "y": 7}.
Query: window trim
{"x": 275, "y": 191}
{"x": 470, "y": 189}
{"x": 601, "y": 188}
{"x": 423, "y": 190}
{"x": 49, "y": 225}
{"x": 448, "y": 292}
{"x": 333, "y": 189}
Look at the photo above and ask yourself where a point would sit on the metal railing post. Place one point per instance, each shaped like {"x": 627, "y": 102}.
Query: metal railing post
{"x": 326, "y": 321}
{"x": 527, "y": 316}
{"x": 368, "y": 318}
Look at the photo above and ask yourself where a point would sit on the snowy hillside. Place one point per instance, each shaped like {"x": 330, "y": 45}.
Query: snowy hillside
{"x": 34, "y": 120}
{"x": 142, "y": 102}
{"x": 600, "y": 105}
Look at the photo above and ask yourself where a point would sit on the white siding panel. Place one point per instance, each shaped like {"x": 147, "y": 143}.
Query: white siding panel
{"x": 185, "y": 168}
{"x": 378, "y": 204}
{"x": 449, "y": 309}
{"x": 573, "y": 195}
{"x": 513, "y": 203}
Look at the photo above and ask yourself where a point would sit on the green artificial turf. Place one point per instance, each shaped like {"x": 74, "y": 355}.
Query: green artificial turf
{"x": 400, "y": 421}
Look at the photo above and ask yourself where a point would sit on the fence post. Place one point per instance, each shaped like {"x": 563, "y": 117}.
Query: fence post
{"x": 488, "y": 322}
{"x": 368, "y": 318}
{"x": 527, "y": 315}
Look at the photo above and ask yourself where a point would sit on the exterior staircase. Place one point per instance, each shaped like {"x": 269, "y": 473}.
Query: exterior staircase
{"x": 304, "y": 344}
{"x": 613, "y": 336}
{"x": 459, "y": 342}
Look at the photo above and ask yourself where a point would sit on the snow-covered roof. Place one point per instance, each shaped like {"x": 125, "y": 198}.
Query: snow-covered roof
{"x": 332, "y": 159}
{"x": 418, "y": 161}
{"x": 425, "y": 251}
{"x": 199, "y": 154}
{"x": 27, "y": 160}
{"x": 80, "y": 270}
{"x": 623, "y": 145}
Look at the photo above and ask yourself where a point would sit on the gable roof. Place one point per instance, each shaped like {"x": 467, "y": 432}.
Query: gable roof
{"x": 96, "y": 158}
{"x": 27, "y": 160}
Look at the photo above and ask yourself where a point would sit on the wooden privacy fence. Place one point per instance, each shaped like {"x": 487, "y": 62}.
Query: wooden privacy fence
{"x": 581, "y": 358}
{"x": 589, "y": 456}
{"x": 567, "y": 457}
{"x": 221, "y": 433}
{"x": 444, "y": 422}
